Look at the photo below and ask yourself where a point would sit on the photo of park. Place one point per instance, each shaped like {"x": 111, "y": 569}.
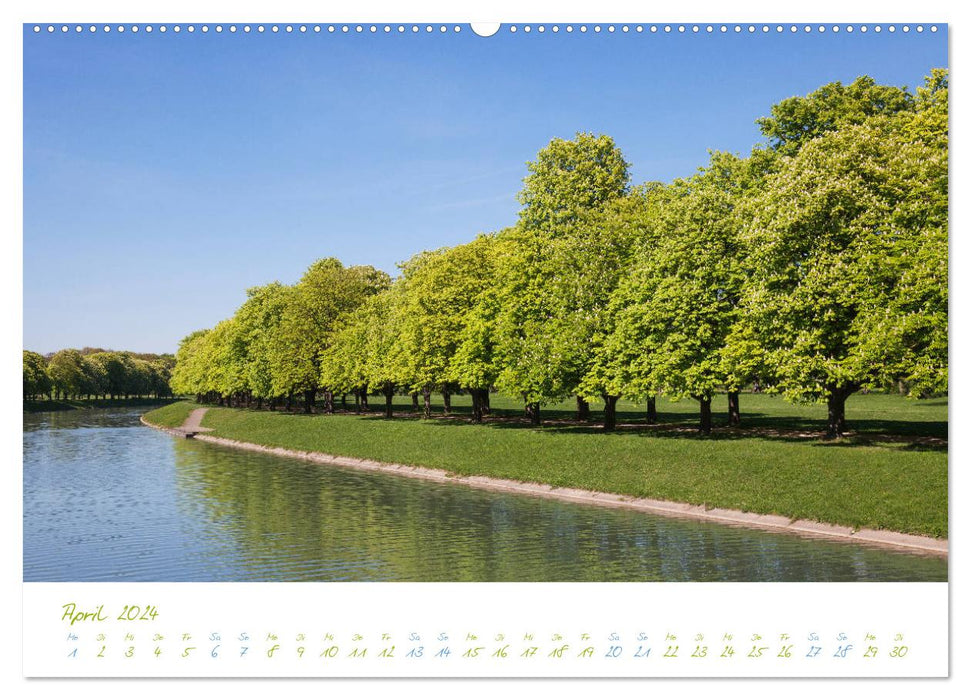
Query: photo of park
{"x": 402, "y": 313}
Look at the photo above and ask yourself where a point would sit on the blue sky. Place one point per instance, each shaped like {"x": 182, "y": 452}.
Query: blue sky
{"x": 166, "y": 173}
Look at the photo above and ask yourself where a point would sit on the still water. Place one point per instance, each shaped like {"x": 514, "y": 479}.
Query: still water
{"x": 107, "y": 499}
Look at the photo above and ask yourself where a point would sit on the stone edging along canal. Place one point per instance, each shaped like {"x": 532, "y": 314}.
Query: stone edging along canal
{"x": 894, "y": 540}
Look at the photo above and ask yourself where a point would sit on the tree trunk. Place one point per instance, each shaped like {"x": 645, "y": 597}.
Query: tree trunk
{"x": 610, "y": 412}
{"x": 364, "y": 405}
{"x": 308, "y": 400}
{"x": 447, "y": 400}
{"x": 532, "y": 412}
{"x": 476, "y": 405}
{"x": 652, "y": 410}
{"x": 357, "y": 401}
{"x": 388, "y": 401}
{"x": 414, "y": 401}
{"x": 486, "y": 408}
{"x": 328, "y": 401}
{"x": 705, "y": 426}
{"x": 583, "y": 409}
{"x": 289, "y": 401}
{"x": 426, "y": 396}
{"x": 734, "y": 412}
{"x": 344, "y": 402}
{"x": 836, "y": 409}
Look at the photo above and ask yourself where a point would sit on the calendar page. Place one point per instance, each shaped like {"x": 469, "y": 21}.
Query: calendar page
{"x": 533, "y": 349}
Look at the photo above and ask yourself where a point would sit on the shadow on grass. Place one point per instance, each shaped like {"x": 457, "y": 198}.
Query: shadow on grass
{"x": 912, "y": 436}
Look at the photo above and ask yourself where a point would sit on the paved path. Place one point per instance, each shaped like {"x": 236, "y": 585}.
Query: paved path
{"x": 193, "y": 423}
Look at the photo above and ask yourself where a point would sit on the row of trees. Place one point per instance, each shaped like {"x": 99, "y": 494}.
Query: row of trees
{"x": 814, "y": 267}
{"x": 94, "y": 372}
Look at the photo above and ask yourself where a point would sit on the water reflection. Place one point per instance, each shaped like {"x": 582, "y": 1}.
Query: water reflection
{"x": 108, "y": 499}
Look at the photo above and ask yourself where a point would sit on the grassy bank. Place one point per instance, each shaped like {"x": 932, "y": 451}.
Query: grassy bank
{"x": 80, "y": 404}
{"x": 171, "y": 416}
{"x": 891, "y": 473}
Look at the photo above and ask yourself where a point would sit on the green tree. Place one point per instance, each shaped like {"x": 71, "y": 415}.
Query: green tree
{"x": 67, "y": 373}
{"x": 833, "y": 239}
{"x": 440, "y": 289}
{"x": 326, "y": 291}
{"x": 188, "y": 376}
{"x": 674, "y": 311}
{"x": 384, "y": 366}
{"x": 571, "y": 177}
{"x": 568, "y": 181}
{"x": 798, "y": 120}
{"x": 257, "y": 326}
{"x": 36, "y": 381}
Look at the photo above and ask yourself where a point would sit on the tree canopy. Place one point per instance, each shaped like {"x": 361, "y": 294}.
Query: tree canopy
{"x": 814, "y": 267}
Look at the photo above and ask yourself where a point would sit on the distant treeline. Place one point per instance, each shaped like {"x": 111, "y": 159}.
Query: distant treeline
{"x": 96, "y": 373}
{"x": 815, "y": 267}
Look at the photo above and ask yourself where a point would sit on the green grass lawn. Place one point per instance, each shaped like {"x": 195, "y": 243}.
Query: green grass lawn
{"x": 891, "y": 473}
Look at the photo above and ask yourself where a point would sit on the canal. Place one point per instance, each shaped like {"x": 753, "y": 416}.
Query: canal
{"x": 108, "y": 499}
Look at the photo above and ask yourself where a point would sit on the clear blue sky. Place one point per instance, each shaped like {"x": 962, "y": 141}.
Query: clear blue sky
{"x": 166, "y": 173}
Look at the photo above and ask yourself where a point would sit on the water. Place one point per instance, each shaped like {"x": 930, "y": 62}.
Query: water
{"x": 107, "y": 499}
